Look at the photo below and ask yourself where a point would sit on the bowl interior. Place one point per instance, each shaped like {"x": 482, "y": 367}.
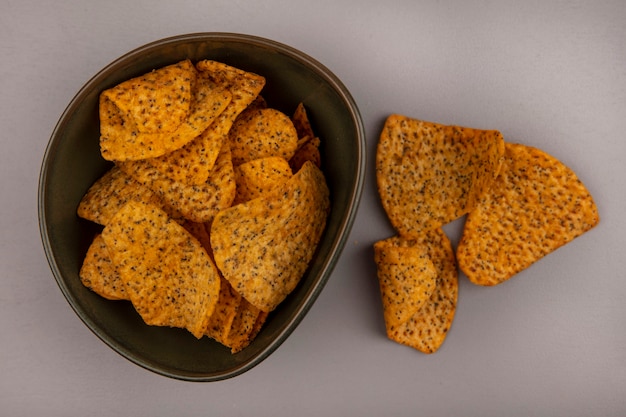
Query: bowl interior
{"x": 72, "y": 163}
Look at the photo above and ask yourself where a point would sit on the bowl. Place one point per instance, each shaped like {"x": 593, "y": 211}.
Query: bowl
{"x": 72, "y": 162}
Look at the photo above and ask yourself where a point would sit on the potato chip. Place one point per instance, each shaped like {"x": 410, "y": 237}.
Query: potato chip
{"x": 258, "y": 103}
{"x": 199, "y": 231}
{"x": 235, "y": 322}
{"x": 263, "y": 246}
{"x": 122, "y": 140}
{"x": 170, "y": 279}
{"x": 193, "y": 163}
{"x": 158, "y": 101}
{"x": 301, "y": 122}
{"x": 99, "y": 274}
{"x": 198, "y": 203}
{"x": 430, "y": 174}
{"x": 259, "y": 176}
{"x": 109, "y": 193}
{"x": 307, "y": 151}
{"x": 536, "y": 205}
{"x": 245, "y": 326}
{"x": 263, "y": 133}
{"x": 427, "y": 328}
{"x": 225, "y": 312}
{"x": 407, "y": 279}
{"x": 244, "y": 86}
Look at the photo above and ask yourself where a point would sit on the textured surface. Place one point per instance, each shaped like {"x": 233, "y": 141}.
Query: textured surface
{"x": 535, "y": 206}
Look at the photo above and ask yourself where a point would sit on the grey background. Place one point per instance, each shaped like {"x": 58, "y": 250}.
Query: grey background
{"x": 550, "y": 342}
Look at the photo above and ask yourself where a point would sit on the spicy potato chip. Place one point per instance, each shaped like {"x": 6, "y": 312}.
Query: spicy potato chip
{"x": 259, "y": 176}
{"x": 536, "y": 205}
{"x": 235, "y": 321}
{"x": 430, "y": 174}
{"x": 263, "y": 133}
{"x": 198, "y": 203}
{"x": 308, "y": 150}
{"x": 406, "y": 277}
{"x": 169, "y": 277}
{"x": 301, "y": 122}
{"x": 109, "y": 193}
{"x": 427, "y": 328}
{"x": 121, "y": 138}
{"x": 245, "y": 326}
{"x": 244, "y": 86}
{"x": 99, "y": 274}
{"x": 158, "y": 101}
{"x": 193, "y": 163}
{"x": 225, "y": 312}
{"x": 263, "y": 246}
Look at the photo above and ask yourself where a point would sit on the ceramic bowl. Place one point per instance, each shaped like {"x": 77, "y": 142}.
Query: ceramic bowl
{"x": 72, "y": 162}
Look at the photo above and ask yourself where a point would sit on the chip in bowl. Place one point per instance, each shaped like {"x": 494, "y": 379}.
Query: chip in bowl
{"x": 263, "y": 246}
{"x": 169, "y": 277}
{"x": 156, "y": 113}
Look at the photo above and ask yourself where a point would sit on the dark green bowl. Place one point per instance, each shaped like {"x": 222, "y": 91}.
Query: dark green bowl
{"x": 72, "y": 162}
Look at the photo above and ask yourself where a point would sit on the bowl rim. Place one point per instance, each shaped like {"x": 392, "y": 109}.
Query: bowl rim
{"x": 338, "y": 243}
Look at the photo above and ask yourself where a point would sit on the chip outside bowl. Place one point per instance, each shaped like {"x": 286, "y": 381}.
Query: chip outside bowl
{"x": 72, "y": 162}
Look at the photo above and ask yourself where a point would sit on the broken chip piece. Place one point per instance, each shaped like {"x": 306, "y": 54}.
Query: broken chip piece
{"x": 429, "y": 174}
{"x": 536, "y": 205}
{"x": 263, "y": 247}
{"x": 169, "y": 277}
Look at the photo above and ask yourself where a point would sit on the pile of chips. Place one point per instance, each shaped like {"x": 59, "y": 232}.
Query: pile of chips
{"x": 521, "y": 204}
{"x": 214, "y": 205}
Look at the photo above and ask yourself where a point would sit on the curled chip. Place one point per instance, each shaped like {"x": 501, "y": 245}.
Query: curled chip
{"x": 536, "y": 205}
{"x": 121, "y": 139}
{"x": 170, "y": 279}
{"x": 244, "y": 86}
{"x": 109, "y": 193}
{"x": 263, "y": 246}
{"x": 158, "y": 101}
{"x": 406, "y": 277}
{"x": 259, "y": 176}
{"x": 427, "y": 328}
{"x": 99, "y": 274}
{"x": 198, "y": 203}
{"x": 193, "y": 163}
{"x": 430, "y": 174}
{"x": 263, "y": 133}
